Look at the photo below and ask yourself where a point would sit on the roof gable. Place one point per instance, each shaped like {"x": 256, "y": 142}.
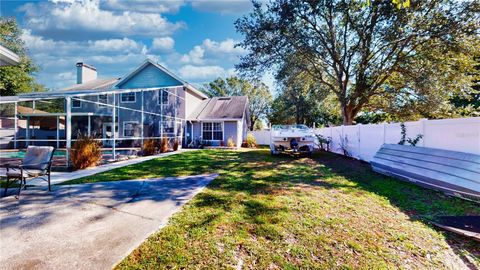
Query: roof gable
{"x": 149, "y": 75}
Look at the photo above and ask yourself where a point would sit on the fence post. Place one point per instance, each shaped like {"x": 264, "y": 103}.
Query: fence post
{"x": 343, "y": 141}
{"x": 359, "y": 141}
{"x": 423, "y": 122}
{"x": 384, "y": 131}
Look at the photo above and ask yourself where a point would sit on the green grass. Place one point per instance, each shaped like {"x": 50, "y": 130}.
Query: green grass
{"x": 326, "y": 212}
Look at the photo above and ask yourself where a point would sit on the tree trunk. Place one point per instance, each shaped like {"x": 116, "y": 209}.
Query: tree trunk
{"x": 252, "y": 124}
{"x": 297, "y": 115}
{"x": 348, "y": 115}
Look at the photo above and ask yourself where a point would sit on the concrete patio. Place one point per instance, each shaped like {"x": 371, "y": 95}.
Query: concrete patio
{"x": 89, "y": 226}
{"x": 59, "y": 177}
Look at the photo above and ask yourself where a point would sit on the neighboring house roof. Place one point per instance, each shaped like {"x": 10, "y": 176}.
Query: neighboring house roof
{"x": 221, "y": 108}
{"x": 8, "y": 58}
{"x": 97, "y": 84}
{"x": 50, "y": 122}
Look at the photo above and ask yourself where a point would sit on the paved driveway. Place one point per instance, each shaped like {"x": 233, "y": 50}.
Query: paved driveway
{"x": 90, "y": 226}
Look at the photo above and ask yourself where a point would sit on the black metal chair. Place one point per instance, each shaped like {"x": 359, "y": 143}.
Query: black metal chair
{"x": 36, "y": 163}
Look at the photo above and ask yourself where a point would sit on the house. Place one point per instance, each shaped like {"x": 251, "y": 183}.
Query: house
{"x": 8, "y": 58}
{"x": 150, "y": 102}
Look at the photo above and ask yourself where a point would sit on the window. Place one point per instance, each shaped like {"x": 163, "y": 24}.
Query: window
{"x": 76, "y": 103}
{"x": 128, "y": 97}
{"x": 129, "y": 128}
{"x": 102, "y": 99}
{"x": 163, "y": 97}
{"x": 212, "y": 131}
{"x": 167, "y": 126}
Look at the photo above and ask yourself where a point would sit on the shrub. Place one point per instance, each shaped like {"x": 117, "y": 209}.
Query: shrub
{"x": 86, "y": 152}
{"x": 323, "y": 142}
{"x": 411, "y": 141}
{"x": 149, "y": 147}
{"x": 250, "y": 142}
{"x": 230, "y": 142}
{"x": 175, "y": 145}
{"x": 164, "y": 145}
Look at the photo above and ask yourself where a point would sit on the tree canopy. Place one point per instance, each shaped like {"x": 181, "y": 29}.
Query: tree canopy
{"x": 16, "y": 79}
{"x": 373, "y": 56}
{"x": 258, "y": 94}
{"x": 300, "y": 99}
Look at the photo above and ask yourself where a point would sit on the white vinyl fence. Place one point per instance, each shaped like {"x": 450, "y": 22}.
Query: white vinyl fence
{"x": 363, "y": 141}
{"x": 261, "y": 136}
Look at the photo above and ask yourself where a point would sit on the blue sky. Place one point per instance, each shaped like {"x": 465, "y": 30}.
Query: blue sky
{"x": 194, "y": 39}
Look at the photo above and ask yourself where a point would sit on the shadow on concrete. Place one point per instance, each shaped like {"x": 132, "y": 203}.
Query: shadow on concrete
{"x": 36, "y": 205}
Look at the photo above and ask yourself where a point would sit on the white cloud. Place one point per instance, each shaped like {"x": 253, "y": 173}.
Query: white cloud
{"x": 195, "y": 56}
{"x": 67, "y": 76}
{"x": 74, "y": 20}
{"x": 163, "y": 44}
{"x": 38, "y": 44}
{"x": 213, "y": 51}
{"x": 115, "y": 57}
{"x": 146, "y": 6}
{"x": 203, "y": 72}
{"x": 227, "y": 46}
{"x": 112, "y": 57}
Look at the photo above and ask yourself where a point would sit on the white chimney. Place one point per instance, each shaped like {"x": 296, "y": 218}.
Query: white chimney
{"x": 85, "y": 73}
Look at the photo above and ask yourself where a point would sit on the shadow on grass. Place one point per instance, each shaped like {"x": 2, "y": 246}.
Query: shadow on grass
{"x": 419, "y": 203}
{"x": 250, "y": 180}
{"x": 247, "y": 201}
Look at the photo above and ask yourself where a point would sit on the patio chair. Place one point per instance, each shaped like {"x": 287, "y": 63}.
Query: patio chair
{"x": 36, "y": 163}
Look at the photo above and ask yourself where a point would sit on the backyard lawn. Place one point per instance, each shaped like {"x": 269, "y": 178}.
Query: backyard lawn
{"x": 268, "y": 212}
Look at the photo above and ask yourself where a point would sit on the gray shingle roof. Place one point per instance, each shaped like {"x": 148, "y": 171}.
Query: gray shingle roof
{"x": 97, "y": 84}
{"x": 221, "y": 108}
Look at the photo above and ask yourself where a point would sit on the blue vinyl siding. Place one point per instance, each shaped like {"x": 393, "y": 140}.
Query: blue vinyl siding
{"x": 148, "y": 77}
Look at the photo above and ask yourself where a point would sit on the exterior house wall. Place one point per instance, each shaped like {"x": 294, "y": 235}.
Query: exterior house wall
{"x": 244, "y": 128}
{"x": 92, "y": 107}
{"x": 197, "y": 130}
{"x": 192, "y": 101}
{"x": 182, "y": 102}
{"x": 173, "y": 110}
{"x": 230, "y": 131}
{"x": 150, "y": 76}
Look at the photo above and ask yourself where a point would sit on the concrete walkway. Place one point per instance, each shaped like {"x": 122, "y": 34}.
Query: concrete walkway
{"x": 58, "y": 177}
{"x": 89, "y": 226}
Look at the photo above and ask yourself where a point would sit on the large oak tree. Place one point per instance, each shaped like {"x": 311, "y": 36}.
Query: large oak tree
{"x": 361, "y": 52}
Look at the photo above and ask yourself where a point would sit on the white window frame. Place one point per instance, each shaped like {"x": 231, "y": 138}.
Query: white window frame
{"x": 76, "y": 107}
{"x": 160, "y": 96}
{"x": 103, "y": 103}
{"x": 223, "y": 130}
{"x": 124, "y": 124}
{"x": 129, "y": 101}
